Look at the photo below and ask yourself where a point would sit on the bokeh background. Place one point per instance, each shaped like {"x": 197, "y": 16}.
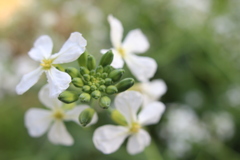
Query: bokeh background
{"x": 196, "y": 46}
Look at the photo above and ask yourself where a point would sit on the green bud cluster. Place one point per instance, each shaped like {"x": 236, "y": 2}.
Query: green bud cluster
{"x": 97, "y": 82}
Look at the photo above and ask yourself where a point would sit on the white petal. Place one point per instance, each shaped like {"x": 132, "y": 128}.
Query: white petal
{"x": 154, "y": 89}
{"x": 71, "y": 49}
{"x": 116, "y": 32}
{"x": 28, "y": 80}
{"x": 142, "y": 68}
{"x": 58, "y": 81}
{"x": 37, "y": 121}
{"x": 109, "y": 138}
{"x": 128, "y": 103}
{"x": 72, "y": 115}
{"x": 48, "y": 101}
{"x": 58, "y": 134}
{"x": 117, "y": 59}
{"x": 137, "y": 142}
{"x": 42, "y": 48}
{"x": 151, "y": 113}
{"x": 136, "y": 42}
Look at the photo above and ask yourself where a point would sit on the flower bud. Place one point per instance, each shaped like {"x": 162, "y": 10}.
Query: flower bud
{"x": 82, "y": 60}
{"x": 91, "y": 62}
{"x": 84, "y": 70}
{"x": 106, "y": 59}
{"x": 105, "y": 102}
{"x": 96, "y": 94}
{"x": 86, "y": 88}
{"x": 93, "y": 87}
{"x": 104, "y": 75}
{"x": 77, "y": 82}
{"x": 86, "y": 116}
{"x": 118, "y": 118}
{"x": 68, "y": 96}
{"x": 108, "y": 81}
{"x": 102, "y": 88}
{"x": 99, "y": 69}
{"x": 85, "y": 97}
{"x": 111, "y": 90}
{"x": 108, "y": 69}
{"x": 116, "y": 74}
{"x": 92, "y": 72}
{"x": 86, "y": 77}
{"x": 73, "y": 72}
{"x": 124, "y": 84}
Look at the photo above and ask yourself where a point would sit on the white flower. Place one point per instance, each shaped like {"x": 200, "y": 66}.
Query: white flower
{"x": 38, "y": 121}
{"x": 142, "y": 68}
{"x": 41, "y": 52}
{"x": 151, "y": 91}
{"x": 108, "y": 138}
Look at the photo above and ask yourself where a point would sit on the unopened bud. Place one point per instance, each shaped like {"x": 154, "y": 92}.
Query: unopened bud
{"x": 82, "y": 60}
{"x": 91, "y": 62}
{"x": 86, "y": 116}
{"x": 105, "y": 102}
{"x": 118, "y": 118}
{"x": 68, "y": 96}
{"x": 111, "y": 90}
{"x": 73, "y": 72}
{"x": 108, "y": 81}
{"x": 77, "y": 82}
{"x": 92, "y": 72}
{"x": 108, "y": 69}
{"x": 124, "y": 84}
{"x": 99, "y": 69}
{"x": 86, "y": 88}
{"x": 104, "y": 75}
{"x": 86, "y": 77}
{"x": 93, "y": 87}
{"x": 84, "y": 70}
{"x": 85, "y": 97}
{"x": 102, "y": 88}
{"x": 96, "y": 94}
{"x": 106, "y": 59}
{"x": 116, "y": 74}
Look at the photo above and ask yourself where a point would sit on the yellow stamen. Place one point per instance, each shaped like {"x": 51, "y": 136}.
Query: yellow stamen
{"x": 47, "y": 63}
{"x": 58, "y": 114}
{"x": 135, "y": 127}
{"x": 121, "y": 51}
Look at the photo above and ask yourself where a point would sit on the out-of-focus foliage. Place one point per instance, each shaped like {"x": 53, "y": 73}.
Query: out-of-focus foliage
{"x": 196, "y": 46}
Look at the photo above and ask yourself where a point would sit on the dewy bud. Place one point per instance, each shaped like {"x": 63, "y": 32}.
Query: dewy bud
{"x": 77, "y": 82}
{"x": 85, "y": 97}
{"x": 84, "y": 70}
{"x": 116, "y": 74}
{"x": 91, "y": 62}
{"x": 111, "y": 90}
{"x": 96, "y": 94}
{"x": 68, "y": 96}
{"x": 106, "y": 59}
{"x": 86, "y": 116}
{"x": 105, "y": 102}
{"x": 99, "y": 69}
{"x": 86, "y": 88}
{"x": 82, "y": 60}
{"x": 124, "y": 84}
{"x": 73, "y": 72}
{"x": 118, "y": 118}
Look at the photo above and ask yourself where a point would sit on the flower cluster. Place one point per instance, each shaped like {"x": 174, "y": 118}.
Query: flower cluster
{"x": 134, "y": 109}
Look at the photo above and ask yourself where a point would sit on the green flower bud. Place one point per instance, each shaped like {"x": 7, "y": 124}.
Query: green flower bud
{"x": 102, "y": 88}
{"x": 68, "y": 96}
{"x": 93, "y": 87}
{"x": 86, "y": 88}
{"x": 77, "y": 82}
{"x": 118, "y": 118}
{"x": 91, "y": 62}
{"x": 92, "y": 72}
{"x": 84, "y": 70}
{"x": 99, "y": 69}
{"x": 85, "y": 97}
{"x": 104, "y": 75}
{"x": 105, "y": 102}
{"x": 116, "y": 74}
{"x": 108, "y": 81}
{"x": 86, "y": 77}
{"x": 108, "y": 69}
{"x": 124, "y": 84}
{"x": 106, "y": 59}
{"x": 86, "y": 116}
{"x": 111, "y": 90}
{"x": 96, "y": 94}
{"x": 101, "y": 81}
{"x": 82, "y": 60}
{"x": 73, "y": 72}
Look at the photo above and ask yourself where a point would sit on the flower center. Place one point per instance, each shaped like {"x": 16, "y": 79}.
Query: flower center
{"x": 121, "y": 51}
{"x": 135, "y": 127}
{"x": 46, "y": 64}
{"x": 58, "y": 114}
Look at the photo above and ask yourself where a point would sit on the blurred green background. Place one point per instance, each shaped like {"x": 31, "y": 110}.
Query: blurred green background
{"x": 196, "y": 46}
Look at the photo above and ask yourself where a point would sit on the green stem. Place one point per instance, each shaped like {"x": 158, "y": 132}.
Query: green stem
{"x": 152, "y": 152}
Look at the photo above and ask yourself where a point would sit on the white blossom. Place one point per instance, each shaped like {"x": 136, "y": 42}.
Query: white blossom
{"x": 38, "y": 121}
{"x": 141, "y": 67}
{"x": 41, "y": 52}
{"x": 108, "y": 138}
